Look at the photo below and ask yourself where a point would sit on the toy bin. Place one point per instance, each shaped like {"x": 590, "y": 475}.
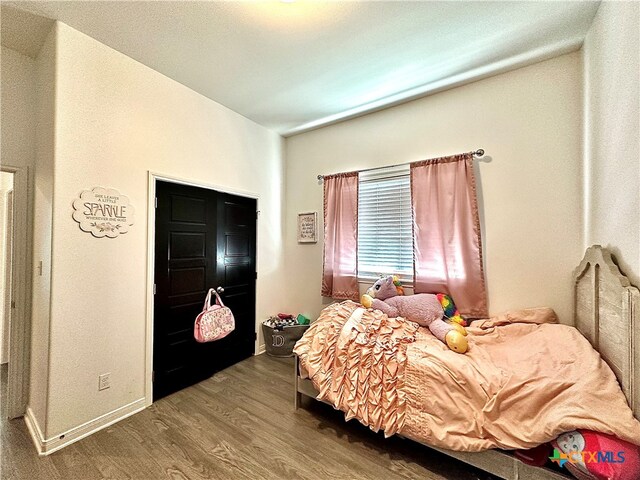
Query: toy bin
{"x": 280, "y": 342}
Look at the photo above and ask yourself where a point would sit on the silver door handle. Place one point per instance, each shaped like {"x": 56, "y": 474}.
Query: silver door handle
{"x": 220, "y": 290}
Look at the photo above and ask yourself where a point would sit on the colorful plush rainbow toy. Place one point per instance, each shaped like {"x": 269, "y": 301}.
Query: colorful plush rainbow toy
{"x": 387, "y": 295}
{"x": 450, "y": 310}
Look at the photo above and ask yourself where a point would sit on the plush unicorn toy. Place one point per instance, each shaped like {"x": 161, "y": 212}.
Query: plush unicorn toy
{"x": 425, "y": 309}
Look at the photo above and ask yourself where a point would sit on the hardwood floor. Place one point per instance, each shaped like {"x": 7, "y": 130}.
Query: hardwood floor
{"x": 239, "y": 424}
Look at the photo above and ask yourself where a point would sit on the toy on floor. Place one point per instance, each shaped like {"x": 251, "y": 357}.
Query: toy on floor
{"x": 425, "y": 309}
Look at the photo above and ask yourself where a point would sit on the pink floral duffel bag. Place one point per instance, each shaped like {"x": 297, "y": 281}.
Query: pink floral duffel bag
{"x": 214, "y": 322}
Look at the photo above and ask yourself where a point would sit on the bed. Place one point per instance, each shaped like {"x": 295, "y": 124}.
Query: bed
{"x": 606, "y": 312}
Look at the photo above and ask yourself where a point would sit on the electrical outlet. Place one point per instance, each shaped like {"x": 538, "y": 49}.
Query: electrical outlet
{"x": 104, "y": 381}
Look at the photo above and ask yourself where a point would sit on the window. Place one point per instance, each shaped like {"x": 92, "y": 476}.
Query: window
{"x": 385, "y": 236}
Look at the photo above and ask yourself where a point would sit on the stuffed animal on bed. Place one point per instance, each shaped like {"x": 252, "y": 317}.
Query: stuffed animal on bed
{"x": 425, "y": 309}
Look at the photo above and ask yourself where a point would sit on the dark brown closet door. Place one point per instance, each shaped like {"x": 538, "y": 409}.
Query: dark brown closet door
{"x": 197, "y": 238}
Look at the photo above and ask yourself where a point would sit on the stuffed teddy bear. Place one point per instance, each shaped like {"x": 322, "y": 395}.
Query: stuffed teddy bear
{"x": 425, "y": 309}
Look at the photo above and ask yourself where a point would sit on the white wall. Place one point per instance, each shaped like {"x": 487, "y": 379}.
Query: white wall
{"x": 42, "y": 226}
{"x": 19, "y": 117}
{"x": 611, "y": 55}
{"x": 115, "y": 120}
{"x": 529, "y": 123}
{"x": 18, "y": 96}
{"x": 6, "y": 185}
{"x": 17, "y": 143}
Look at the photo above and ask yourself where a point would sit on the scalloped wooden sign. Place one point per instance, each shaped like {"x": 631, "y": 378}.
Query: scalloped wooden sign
{"x": 103, "y": 212}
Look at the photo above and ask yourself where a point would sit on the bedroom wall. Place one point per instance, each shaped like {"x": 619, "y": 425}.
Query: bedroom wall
{"x": 528, "y": 121}
{"x": 6, "y": 186}
{"x": 19, "y": 118}
{"x": 611, "y": 55}
{"x": 42, "y": 226}
{"x": 116, "y": 120}
{"x": 17, "y": 136}
{"x": 17, "y": 141}
{"x": 17, "y": 145}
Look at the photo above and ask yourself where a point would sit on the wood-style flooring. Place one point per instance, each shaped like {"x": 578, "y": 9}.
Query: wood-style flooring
{"x": 239, "y": 424}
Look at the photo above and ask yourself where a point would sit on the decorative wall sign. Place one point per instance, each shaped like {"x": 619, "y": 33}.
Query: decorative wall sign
{"x": 103, "y": 212}
{"x": 308, "y": 227}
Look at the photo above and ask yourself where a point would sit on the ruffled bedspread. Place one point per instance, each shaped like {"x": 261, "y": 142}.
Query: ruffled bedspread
{"x": 525, "y": 379}
{"x": 356, "y": 359}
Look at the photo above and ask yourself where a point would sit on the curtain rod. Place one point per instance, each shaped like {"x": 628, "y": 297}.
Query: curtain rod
{"x": 477, "y": 153}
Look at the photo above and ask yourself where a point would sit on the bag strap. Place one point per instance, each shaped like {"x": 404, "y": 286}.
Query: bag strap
{"x": 218, "y": 299}
{"x": 207, "y": 301}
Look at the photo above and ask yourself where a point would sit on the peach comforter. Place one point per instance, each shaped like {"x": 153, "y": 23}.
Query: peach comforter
{"x": 525, "y": 379}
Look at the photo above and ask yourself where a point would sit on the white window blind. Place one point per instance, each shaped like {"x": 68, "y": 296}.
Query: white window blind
{"x": 385, "y": 237}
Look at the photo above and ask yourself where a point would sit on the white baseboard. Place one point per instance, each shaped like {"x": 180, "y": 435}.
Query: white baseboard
{"x": 50, "y": 445}
{"x": 261, "y": 349}
{"x": 34, "y": 430}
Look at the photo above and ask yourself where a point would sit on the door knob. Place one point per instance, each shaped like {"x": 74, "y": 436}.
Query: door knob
{"x": 220, "y": 290}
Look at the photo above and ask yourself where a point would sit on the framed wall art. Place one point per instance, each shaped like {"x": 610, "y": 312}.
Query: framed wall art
{"x": 308, "y": 227}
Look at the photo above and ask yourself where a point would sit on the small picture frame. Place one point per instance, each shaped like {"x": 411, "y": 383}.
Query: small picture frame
{"x": 308, "y": 227}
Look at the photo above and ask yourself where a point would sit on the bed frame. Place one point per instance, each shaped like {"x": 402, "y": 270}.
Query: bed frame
{"x": 607, "y": 313}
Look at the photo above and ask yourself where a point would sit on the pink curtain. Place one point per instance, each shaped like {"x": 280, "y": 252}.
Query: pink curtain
{"x": 340, "y": 259}
{"x": 446, "y": 230}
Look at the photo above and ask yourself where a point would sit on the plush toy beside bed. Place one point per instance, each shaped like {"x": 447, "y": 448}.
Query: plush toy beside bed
{"x": 596, "y": 456}
{"x": 425, "y": 309}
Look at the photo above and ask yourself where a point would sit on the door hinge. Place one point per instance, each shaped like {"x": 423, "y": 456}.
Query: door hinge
{"x": 256, "y": 275}
{"x": 255, "y": 335}
{"x": 257, "y": 213}
{"x": 154, "y": 288}
{"x": 153, "y": 376}
{"x": 13, "y": 304}
{"x": 156, "y": 202}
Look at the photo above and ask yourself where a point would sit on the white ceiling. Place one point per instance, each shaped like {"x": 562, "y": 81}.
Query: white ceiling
{"x": 295, "y": 66}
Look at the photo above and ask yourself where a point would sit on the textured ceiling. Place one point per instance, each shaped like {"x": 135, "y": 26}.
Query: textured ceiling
{"x": 295, "y": 66}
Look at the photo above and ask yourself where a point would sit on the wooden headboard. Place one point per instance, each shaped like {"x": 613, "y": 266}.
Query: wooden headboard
{"x": 607, "y": 312}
